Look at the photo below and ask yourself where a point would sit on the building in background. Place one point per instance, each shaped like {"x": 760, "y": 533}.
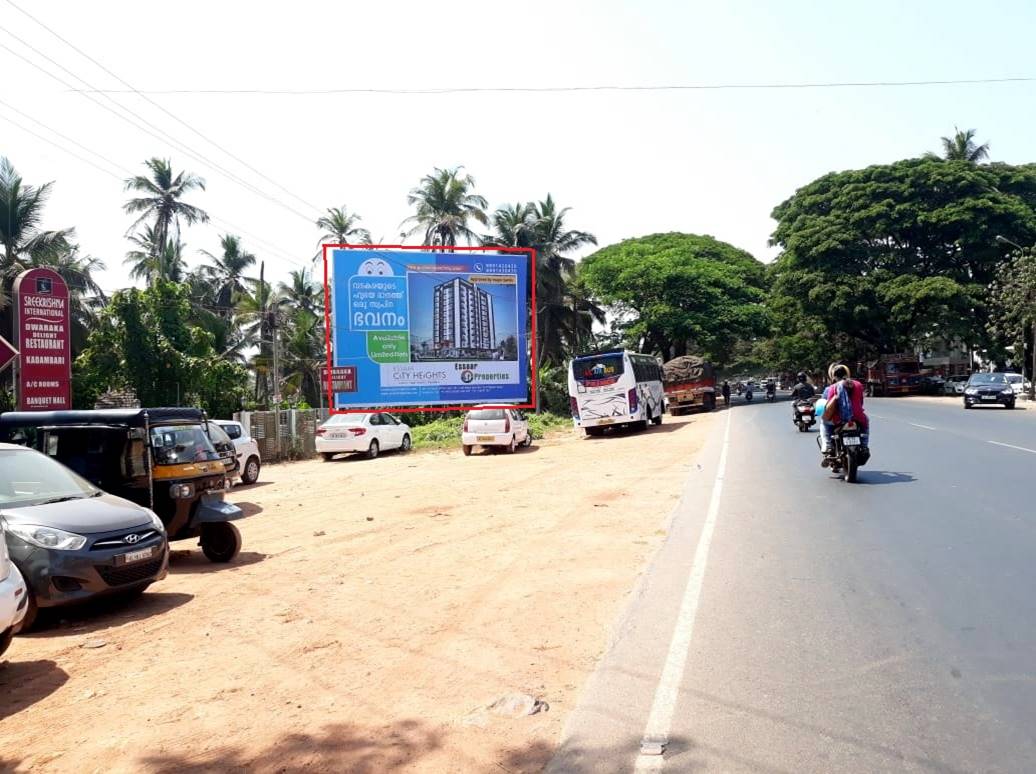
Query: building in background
{"x": 462, "y": 319}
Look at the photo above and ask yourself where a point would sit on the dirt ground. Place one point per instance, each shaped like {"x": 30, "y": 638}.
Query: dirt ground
{"x": 376, "y": 607}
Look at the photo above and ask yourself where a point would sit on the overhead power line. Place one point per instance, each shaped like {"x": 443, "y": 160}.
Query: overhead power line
{"x": 169, "y": 113}
{"x": 140, "y": 124}
{"x": 278, "y": 252}
{"x": 592, "y": 88}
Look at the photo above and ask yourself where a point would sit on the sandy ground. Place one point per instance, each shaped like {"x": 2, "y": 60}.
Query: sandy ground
{"x": 375, "y": 608}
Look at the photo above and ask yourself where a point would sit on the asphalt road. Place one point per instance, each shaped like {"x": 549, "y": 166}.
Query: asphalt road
{"x": 796, "y": 623}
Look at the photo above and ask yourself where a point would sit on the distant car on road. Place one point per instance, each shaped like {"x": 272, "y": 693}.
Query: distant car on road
{"x": 954, "y": 385}
{"x": 367, "y": 434}
{"x": 1019, "y": 384}
{"x": 248, "y": 458}
{"x": 504, "y": 428}
{"x": 989, "y": 389}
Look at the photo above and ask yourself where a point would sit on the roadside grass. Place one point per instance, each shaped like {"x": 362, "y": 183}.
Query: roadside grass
{"x": 445, "y": 433}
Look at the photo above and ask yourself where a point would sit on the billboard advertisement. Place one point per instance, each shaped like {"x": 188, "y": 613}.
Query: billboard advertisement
{"x": 423, "y": 328}
{"x": 42, "y": 327}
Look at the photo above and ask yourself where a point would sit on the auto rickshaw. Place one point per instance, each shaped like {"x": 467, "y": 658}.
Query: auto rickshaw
{"x": 161, "y": 458}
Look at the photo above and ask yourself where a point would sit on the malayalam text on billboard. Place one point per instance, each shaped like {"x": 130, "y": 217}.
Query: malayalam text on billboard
{"x": 430, "y": 328}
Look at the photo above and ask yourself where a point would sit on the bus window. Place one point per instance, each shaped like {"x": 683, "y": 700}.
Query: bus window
{"x": 594, "y": 368}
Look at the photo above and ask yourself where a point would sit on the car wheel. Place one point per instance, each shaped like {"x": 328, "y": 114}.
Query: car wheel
{"x": 32, "y": 610}
{"x": 327, "y": 456}
{"x": 512, "y": 446}
{"x": 467, "y": 449}
{"x": 528, "y": 439}
{"x": 5, "y": 640}
{"x": 251, "y": 472}
{"x": 220, "y": 541}
{"x": 407, "y": 443}
{"x": 657, "y": 420}
{"x": 966, "y": 405}
{"x": 1009, "y": 405}
{"x": 373, "y": 449}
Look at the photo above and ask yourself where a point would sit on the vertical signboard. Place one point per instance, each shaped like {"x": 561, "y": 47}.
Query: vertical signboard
{"x": 42, "y": 323}
{"x": 417, "y": 328}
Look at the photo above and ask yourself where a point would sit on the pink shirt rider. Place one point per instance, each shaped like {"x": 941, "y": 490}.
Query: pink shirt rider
{"x": 855, "y": 399}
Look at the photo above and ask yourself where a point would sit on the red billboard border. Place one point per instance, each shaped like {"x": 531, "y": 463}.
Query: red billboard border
{"x": 529, "y": 251}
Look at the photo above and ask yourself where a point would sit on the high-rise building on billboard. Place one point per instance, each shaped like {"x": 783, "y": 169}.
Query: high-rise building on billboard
{"x": 462, "y": 317}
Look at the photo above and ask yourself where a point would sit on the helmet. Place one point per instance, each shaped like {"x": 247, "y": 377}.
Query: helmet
{"x": 801, "y": 376}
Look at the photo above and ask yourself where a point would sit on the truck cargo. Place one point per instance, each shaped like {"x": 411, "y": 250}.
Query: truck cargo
{"x": 690, "y": 383}
{"x": 894, "y": 374}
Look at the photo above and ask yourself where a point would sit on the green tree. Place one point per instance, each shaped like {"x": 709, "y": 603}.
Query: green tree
{"x": 144, "y": 341}
{"x": 445, "y": 208}
{"x": 226, "y": 272}
{"x": 1013, "y": 299}
{"x": 153, "y": 260}
{"x": 879, "y": 259}
{"x": 160, "y": 201}
{"x": 260, "y": 312}
{"x": 962, "y": 147}
{"x": 680, "y": 292}
{"x": 302, "y": 292}
{"x": 341, "y": 227}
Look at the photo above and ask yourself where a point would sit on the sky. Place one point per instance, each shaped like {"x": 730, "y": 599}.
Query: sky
{"x": 628, "y": 163}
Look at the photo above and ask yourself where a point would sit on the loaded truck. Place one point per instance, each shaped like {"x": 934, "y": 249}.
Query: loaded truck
{"x": 894, "y": 374}
{"x": 689, "y": 383}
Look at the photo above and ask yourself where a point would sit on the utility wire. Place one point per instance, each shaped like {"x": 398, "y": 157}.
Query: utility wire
{"x": 160, "y": 107}
{"x": 283, "y": 254}
{"x": 147, "y": 127}
{"x": 597, "y": 88}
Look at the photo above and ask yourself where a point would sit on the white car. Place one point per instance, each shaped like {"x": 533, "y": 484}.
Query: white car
{"x": 501, "y": 427}
{"x": 14, "y": 599}
{"x": 954, "y": 385}
{"x": 368, "y": 434}
{"x": 1019, "y": 384}
{"x": 249, "y": 460}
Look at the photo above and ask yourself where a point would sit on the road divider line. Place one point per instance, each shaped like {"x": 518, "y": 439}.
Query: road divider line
{"x": 1012, "y": 446}
{"x": 923, "y": 427}
{"x": 660, "y": 719}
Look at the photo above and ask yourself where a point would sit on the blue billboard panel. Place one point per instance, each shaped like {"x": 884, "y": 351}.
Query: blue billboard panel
{"x": 430, "y": 329}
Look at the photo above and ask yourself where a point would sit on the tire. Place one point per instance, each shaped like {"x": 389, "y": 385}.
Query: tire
{"x": 407, "y": 444}
{"x": 656, "y": 420}
{"x": 467, "y": 450}
{"x": 967, "y": 406}
{"x": 596, "y": 432}
{"x": 528, "y": 439}
{"x": 850, "y": 469}
{"x": 1009, "y": 406}
{"x": 327, "y": 456}
{"x": 5, "y": 640}
{"x": 251, "y": 472}
{"x": 373, "y": 449}
{"x": 32, "y": 610}
{"x": 512, "y": 447}
{"x": 220, "y": 541}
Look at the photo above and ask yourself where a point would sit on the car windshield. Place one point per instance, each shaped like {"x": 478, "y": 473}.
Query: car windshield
{"x": 980, "y": 379}
{"x": 30, "y": 478}
{"x": 177, "y": 444}
{"x": 486, "y": 414}
{"x": 232, "y": 431}
{"x": 345, "y": 419}
{"x": 1014, "y": 378}
{"x": 217, "y": 434}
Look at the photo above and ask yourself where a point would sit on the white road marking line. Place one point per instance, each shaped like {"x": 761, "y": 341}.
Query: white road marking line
{"x": 666, "y": 694}
{"x": 923, "y": 427}
{"x": 1012, "y": 446}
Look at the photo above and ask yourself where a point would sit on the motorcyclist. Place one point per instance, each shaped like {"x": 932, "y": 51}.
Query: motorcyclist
{"x": 726, "y": 393}
{"x": 843, "y": 386}
{"x": 802, "y": 390}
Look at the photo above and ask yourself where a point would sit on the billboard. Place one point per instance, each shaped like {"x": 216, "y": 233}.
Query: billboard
{"x": 421, "y": 328}
{"x": 42, "y": 328}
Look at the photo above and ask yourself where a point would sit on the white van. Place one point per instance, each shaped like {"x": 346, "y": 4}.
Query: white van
{"x": 505, "y": 428}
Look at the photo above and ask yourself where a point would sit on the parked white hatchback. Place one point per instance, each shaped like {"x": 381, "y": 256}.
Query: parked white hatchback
{"x": 14, "y": 600}
{"x": 495, "y": 427}
{"x": 368, "y": 434}
{"x": 248, "y": 458}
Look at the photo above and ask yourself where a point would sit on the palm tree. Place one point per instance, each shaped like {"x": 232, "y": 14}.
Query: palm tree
{"x": 340, "y": 227}
{"x": 161, "y": 204}
{"x": 301, "y": 292}
{"x": 21, "y": 213}
{"x": 261, "y": 312}
{"x": 303, "y": 355}
{"x": 445, "y": 207}
{"x": 514, "y": 225}
{"x": 154, "y": 259}
{"x": 226, "y": 272}
{"x": 962, "y": 147}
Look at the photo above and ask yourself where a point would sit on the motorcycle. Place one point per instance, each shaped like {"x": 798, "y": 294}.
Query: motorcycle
{"x": 848, "y": 453}
{"x": 805, "y": 414}
{"x": 748, "y": 394}
{"x": 771, "y": 392}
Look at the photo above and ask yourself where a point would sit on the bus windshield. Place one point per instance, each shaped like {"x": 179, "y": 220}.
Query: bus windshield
{"x": 587, "y": 369}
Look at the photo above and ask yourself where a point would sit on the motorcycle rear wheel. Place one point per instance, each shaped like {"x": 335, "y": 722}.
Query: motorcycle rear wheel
{"x": 850, "y": 469}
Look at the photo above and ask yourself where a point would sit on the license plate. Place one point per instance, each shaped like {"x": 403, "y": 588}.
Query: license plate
{"x": 137, "y": 556}
{"x": 485, "y": 438}
{"x": 606, "y": 421}
{"x": 851, "y": 440}
{"x": 989, "y": 397}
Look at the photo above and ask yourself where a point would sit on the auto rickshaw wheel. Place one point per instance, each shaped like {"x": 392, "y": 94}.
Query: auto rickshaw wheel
{"x": 220, "y": 541}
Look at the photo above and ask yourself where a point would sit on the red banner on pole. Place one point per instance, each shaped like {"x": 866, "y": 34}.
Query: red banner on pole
{"x": 342, "y": 378}
{"x": 42, "y": 327}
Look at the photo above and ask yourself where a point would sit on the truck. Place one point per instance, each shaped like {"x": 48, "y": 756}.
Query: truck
{"x": 894, "y": 374}
{"x": 689, "y": 383}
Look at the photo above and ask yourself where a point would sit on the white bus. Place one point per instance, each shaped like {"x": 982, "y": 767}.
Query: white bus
{"x": 615, "y": 388}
